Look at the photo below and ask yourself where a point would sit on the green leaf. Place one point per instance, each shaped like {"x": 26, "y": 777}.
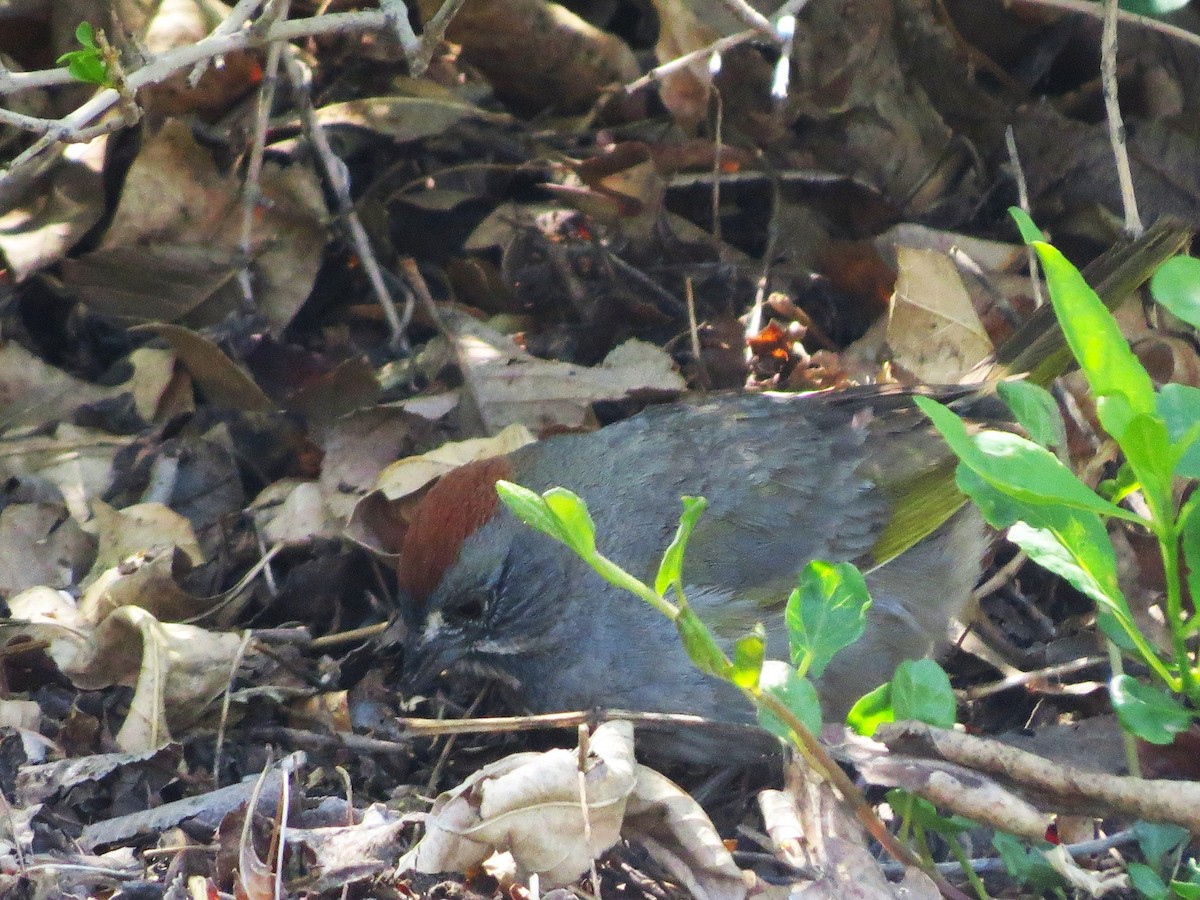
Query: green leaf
{"x": 670, "y": 570}
{"x": 1037, "y": 411}
{"x": 702, "y": 648}
{"x": 828, "y": 611}
{"x": 1146, "y": 882}
{"x": 920, "y": 811}
{"x": 1148, "y": 450}
{"x": 1070, "y": 543}
{"x": 1015, "y": 466}
{"x": 1155, "y": 8}
{"x": 1147, "y": 712}
{"x": 1029, "y": 231}
{"x": 872, "y": 710}
{"x": 1097, "y": 343}
{"x": 1026, "y": 864}
{"x": 1176, "y": 285}
{"x": 85, "y": 34}
{"x": 574, "y": 522}
{"x": 797, "y": 694}
{"x": 1179, "y": 408}
{"x": 1157, "y": 840}
{"x": 1189, "y": 538}
{"x": 1186, "y": 890}
{"x": 748, "y": 655}
{"x": 531, "y": 508}
{"x": 921, "y": 691}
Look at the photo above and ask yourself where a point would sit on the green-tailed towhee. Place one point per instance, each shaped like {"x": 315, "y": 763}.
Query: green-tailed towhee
{"x": 857, "y": 475}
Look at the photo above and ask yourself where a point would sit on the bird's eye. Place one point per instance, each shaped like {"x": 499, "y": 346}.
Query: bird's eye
{"x": 469, "y": 608}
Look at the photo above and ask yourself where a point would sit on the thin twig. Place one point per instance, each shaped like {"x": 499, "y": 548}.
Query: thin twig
{"x": 1112, "y": 114}
{"x": 252, "y": 190}
{"x": 1035, "y": 280}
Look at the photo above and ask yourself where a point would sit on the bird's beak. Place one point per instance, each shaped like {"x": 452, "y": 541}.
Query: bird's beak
{"x": 426, "y": 656}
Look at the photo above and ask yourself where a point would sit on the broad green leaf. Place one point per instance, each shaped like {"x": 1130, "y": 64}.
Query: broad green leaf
{"x": 1037, "y": 411}
{"x": 1187, "y": 890}
{"x": 872, "y": 710}
{"x": 670, "y": 570}
{"x": 1015, "y": 466}
{"x": 748, "y": 655}
{"x": 85, "y": 34}
{"x": 1026, "y": 864}
{"x": 1095, "y": 340}
{"x": 1147, "y": 882}
{"x": 702, "y": 648}
{"x": 1156, "y": 840}
{"x": 574, "y": 522}
{"x": 921, "y": 691}
{"x": 797, "y": 694}
{"x": 1179, "y": 407}
{"x": 530, "y": 507}
{"x": 1176, "y": 285}
{"x": 1074, "y": 545}
{"x": 1147, "y": 712}
{"x": 1147, "y": 448}
{"x": 827, "y": 612}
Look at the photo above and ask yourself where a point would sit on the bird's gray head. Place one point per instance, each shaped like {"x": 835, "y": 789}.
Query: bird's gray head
{"x": 487, "y": 591}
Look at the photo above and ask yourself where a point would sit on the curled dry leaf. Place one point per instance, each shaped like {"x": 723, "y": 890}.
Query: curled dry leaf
{"x": 407, "y": 476}
{"x": 139, "y": 528}
{"x": 176, "y": 670}
{"x": 934, "y": 331}
{"x": 529, "y": 805}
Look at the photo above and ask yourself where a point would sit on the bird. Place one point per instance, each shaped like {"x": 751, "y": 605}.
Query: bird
{"x": 857, "y": 475}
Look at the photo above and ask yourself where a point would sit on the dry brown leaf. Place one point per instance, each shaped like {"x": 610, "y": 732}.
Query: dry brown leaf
{"x": 529, "y": 805}
{"x": 407, "y": 476}
{"x": 181, "y": 215}
{"x": 177, "y": 671}
{"x": 140, "y": 528}
{"x": 223, "y": 381}
{"x": 933, "y": 330}
{"x": 510, "y": 386}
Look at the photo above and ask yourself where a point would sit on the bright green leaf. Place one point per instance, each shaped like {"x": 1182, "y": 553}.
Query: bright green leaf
{"x": 797, "y": 694}
{"x": 921, "y": 691}
{"x": 702, "y": 648}
{"x": 1179, "y": 408}
{"x": 1015, "y": 466}
{"x": 670, "y": 570}
{"x": 1147, "y": 712}
{"x": 574, "y": 522}
{"x": 1176, "y": 285}
{"x": 1147, "y": 448}
{"x": 1189, "y": 538}
{"x": 530, "y": 507}
{"x": 1029, "y": 231}
{"x": 85, "y": 34}
{"x": 872, "y": 710}
{"x": 748, "y": 655}
{"x": 1094, "y": 338}
{"x": 1186, "y": 890}
{"x": 1036, "y": 410}
{"x": 827, "y": 612}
